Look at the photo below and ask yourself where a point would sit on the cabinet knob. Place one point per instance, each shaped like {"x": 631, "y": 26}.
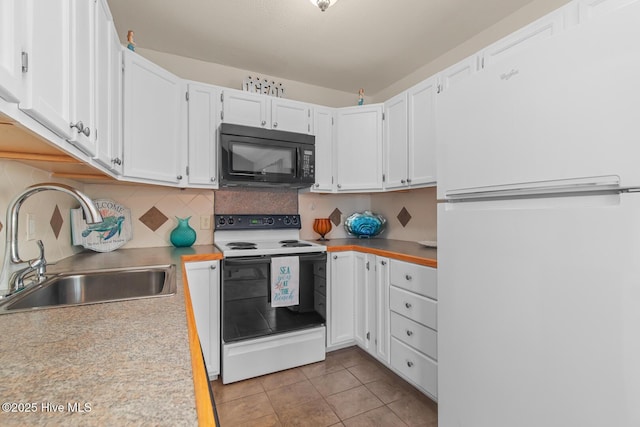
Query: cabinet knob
{"x": 317, "y": 185}
{"x": 407, "y": 304}
{"x": 79, "y": 126}
{"x": 179, "y": 177}
{"x": 409, "y": 363}
{"x": 213, "y": 267}
{"x": 408, "y": 180}
{"x": 339, "y": 186}
{"x": 275, "y": 124}
{"x": 264, "y": 122}
{"x": 213, "y": 179}
{"x": 402, "y": 181}
{"x": 409, "y": 333}
{"x": 116, "y": 161}
{"x": 383, "y": 262}
{"x": 335, "y": 257}
{"x": 86, "y": 131}
{"x": 408, "y": 277}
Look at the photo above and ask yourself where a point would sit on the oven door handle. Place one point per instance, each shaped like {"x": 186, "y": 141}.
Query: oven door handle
{"x": 249, "y": 260}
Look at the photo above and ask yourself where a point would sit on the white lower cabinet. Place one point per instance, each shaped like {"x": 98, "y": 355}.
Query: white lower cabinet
{"x": 389, "y": 309}
{"x": 204, "y": 288}
{"x": 413, "y": 312}
{"x": 341, "y": 300}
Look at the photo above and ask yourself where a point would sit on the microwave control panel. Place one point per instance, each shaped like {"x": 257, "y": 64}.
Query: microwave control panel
{"x": 308, "y": 164}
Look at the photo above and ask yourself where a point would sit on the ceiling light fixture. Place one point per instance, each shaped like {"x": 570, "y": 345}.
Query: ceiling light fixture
{"x": 323, "y": 4}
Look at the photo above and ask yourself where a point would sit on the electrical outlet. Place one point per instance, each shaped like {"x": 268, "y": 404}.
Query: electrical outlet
{"x": 205, "y": 222}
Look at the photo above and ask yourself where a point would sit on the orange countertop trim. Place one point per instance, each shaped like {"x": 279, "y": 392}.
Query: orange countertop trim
{"x": 429, "y": 262}
{"x": 204, "y": 408}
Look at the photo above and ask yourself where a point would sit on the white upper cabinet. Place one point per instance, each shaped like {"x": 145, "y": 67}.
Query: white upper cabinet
{"x": 589, "y": 9}
{"x": 83, "y": 56}
{"x": 457, "y": 72}
{"x": 410, "y": 137}
{"x": 543, "y": 28}
{"x": 48, "y": 77}
{"x": 422, "y": 133}
{"x": 245, "y": 108}
{"x": 204, "y": 111}
{"x": 12, "y": 23}
{"x": 396, "y": 142}
{"x": 108, "y": 91}
{"x": 253, "y": 109}
{"x": 323, "y": 119}
{"x": 154, "y": 121}
{"x": 359, "y": 148}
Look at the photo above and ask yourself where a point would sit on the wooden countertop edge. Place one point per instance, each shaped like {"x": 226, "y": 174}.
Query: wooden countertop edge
{"x": 429, "y": 262}
{"x": 204, "y": 408}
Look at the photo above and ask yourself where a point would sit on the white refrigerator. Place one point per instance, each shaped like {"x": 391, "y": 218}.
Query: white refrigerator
{"x": 539, "y": 235}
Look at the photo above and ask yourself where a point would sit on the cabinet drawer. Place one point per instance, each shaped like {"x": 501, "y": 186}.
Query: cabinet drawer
{"x": 413, "y": 277}
{"x": 414, "y": 334}
{"x": 415, "y": 307}
{"x": 320, "y": 284}
{"x": 319, "y": 304}
{"x": 320, "y": 270}
{"x": 414, "y": 366}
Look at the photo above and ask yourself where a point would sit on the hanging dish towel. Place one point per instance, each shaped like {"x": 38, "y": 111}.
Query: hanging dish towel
{"x": 284, "y": 281}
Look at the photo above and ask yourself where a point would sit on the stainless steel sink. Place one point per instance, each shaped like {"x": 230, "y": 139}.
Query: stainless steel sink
{"x": 91, "y": 287}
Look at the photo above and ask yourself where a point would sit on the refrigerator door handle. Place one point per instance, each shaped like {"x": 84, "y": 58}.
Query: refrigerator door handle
{"x": 607, "y": 183}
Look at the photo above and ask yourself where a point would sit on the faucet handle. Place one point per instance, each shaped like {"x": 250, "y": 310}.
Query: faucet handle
{"x": 40, "y": 263}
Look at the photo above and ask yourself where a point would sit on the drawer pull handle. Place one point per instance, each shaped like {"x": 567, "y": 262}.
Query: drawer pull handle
{"x": 408, "y": 277}
{"x": 409, "y": 333}
{"x": 407, "y": 304}
{"x": 409, "y": 363}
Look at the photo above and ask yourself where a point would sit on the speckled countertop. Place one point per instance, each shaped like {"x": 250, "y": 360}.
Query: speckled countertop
{"x": 129, "y": 362}
{"x": 398, "y": 249}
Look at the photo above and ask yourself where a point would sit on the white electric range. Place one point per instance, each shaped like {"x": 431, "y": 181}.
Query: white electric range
{"x": 258, "y": 338}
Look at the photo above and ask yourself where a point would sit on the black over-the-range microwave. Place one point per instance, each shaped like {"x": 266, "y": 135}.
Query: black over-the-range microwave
{"x": 251, "y": 156}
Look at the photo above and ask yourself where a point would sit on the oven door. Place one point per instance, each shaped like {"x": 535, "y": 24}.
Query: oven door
{"x": 250, "y": 160}
{"x": 246, "y": 298}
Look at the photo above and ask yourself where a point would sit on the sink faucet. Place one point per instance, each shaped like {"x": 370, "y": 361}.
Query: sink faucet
{"x": 14, "y": 269}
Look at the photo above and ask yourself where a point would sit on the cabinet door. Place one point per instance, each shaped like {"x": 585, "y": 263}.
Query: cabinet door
{"x": 590, "y": 9}
{"x": 154, "y": 130}
{"x": 244, "y": 108}
{"x": 11, "y": 41}
{"x": 395, "y": 141}
{"x": 359, "y": 148}
{"x": 364, "y": 280}
{"x": 204, "y": 106}
{"x": 383, "y": 329}
{"x": 545, "y": 27}
{"x": 422, "y": 133}
{"x": 291, "y": 116}
{"x": 204, "y": 288}
{"x": 457, "y": 73}
{"x": 48, "y": 73}
{"x": 83, "y": 133}
{"x": 323, "y": 127}
{"x": 341, "y": 315}
{"x": 108, "y": 91}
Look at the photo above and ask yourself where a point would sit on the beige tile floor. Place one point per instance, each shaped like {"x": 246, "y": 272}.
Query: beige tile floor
{"x": 349, "y": 388}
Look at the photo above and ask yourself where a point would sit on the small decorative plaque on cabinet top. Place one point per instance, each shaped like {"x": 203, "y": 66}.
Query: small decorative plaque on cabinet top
{"x": 113, "y": 232}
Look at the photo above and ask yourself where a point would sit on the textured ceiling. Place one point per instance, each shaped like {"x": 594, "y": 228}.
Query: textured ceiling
{"x": 355, "y": 43}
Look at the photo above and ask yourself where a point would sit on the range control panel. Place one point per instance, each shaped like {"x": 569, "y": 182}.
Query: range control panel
{"x": 256, "y": 222}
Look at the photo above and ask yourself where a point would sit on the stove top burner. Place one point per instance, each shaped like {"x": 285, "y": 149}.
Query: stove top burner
{"x": 241, "y": 245}
{"x": 288, "y": 241}
{"x": 295, "y": 245}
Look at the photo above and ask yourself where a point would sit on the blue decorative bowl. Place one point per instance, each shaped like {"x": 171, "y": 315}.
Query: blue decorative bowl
{"x": 365, "y": 224}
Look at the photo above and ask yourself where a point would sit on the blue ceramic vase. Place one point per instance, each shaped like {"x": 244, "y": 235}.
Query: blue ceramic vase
{"x": 183, "y": 235}
{"x": 365, "y": 224}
